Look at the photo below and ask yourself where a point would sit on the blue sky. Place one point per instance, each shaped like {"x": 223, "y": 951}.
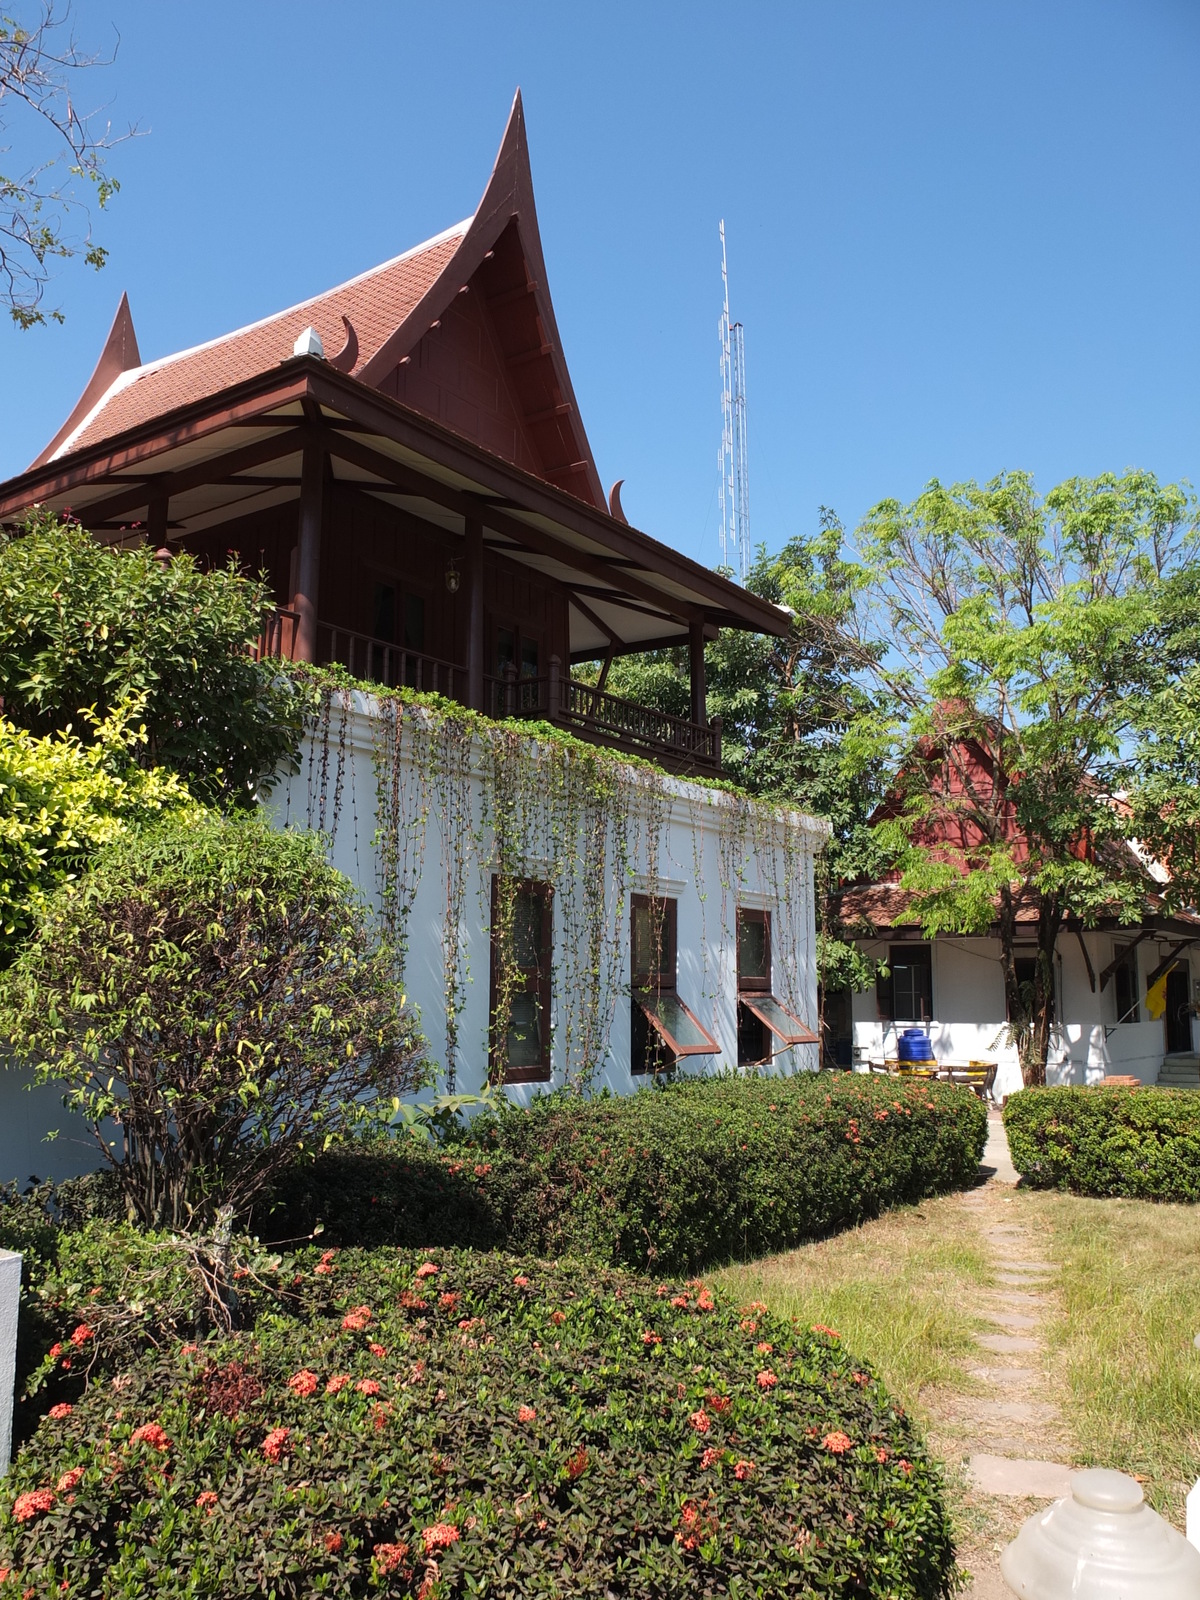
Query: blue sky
{"x": 962, "y": 236}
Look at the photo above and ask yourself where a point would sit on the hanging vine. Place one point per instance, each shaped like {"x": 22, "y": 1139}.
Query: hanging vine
{"x": 553, "y": 811}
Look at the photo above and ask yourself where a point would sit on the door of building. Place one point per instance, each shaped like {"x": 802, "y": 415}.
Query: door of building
{"x": 1178, "y": 1016}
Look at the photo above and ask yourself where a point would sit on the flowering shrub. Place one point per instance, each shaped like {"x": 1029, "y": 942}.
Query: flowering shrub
{"x": 670, "y": 1178}
{"x": 508, "y": 1453}
{"x": 1140, "y": 1143}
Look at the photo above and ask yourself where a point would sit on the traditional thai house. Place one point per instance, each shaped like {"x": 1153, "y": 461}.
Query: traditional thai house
{"x": 404, "y": 458}
{"x": 1125, "y": 995}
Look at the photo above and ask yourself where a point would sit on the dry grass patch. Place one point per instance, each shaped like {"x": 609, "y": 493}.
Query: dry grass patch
{"x": 896, "y": 1289}
{"x": 1122, "y": 1350}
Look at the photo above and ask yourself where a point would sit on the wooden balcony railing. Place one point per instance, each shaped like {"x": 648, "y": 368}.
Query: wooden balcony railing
{"x": 594, "y": 714}
{"x": 390, "y": 664}
{"x": 609, "y": 719}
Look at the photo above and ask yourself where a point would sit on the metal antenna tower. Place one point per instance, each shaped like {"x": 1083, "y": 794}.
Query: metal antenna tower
{"x": 732, "y": 459}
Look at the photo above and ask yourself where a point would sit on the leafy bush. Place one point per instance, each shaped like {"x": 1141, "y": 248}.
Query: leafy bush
{"x": 60, "y": 801}
{"x": 1143, "y": 1144}
{"x": 213, "y": 987}
{"x": 83, "y": 624}
{"x": 474, "y": 1424}
{"x": 669, "y": 1179}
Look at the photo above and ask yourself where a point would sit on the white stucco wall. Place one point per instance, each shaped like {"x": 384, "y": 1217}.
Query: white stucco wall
{"x": 10, "y": 1300}
{"x": 690, "y": 867}
{"x": 969, "y": 1012}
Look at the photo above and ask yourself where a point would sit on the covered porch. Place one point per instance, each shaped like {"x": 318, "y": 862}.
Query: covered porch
{"x": 412, "y": 556}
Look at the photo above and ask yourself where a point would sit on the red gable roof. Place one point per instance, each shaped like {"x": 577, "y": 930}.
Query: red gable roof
{"x": 498, "y": 377}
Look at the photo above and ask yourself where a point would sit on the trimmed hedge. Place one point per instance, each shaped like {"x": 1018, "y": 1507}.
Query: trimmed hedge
{"x": 454, "y": 1424}
{"x": 1143, "y": 1144}
{"x": 668, "y": 1179}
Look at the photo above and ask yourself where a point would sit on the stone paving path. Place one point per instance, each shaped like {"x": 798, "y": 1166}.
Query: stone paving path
{"x": 1010, "y": 1435}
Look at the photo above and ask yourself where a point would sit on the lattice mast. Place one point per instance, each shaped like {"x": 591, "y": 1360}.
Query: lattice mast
{"x": 733, "y": 458}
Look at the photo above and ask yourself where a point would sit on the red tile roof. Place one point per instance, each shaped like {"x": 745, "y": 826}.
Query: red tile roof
{"x": 376, "y": 303}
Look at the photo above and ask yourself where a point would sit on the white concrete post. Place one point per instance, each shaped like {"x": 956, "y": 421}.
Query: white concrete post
{"x": 10, "y": 1299}
{"x": 1099, "y": 1543}
{"x": 1193, "y": 1515}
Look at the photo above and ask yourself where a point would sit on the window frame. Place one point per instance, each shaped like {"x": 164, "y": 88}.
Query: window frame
{"x": 649, "y": 985}
{"x": 537, "y": 980}
{"x": 755, "y": 993}
{"x": 890, "y": 1012}
{"x": 1128, "y": 964}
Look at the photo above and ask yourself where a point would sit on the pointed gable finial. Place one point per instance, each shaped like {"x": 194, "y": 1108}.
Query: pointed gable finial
{"x": 120, "y": 354}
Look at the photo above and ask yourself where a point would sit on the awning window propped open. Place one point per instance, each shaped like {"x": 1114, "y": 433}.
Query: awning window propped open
{"x": 678, "y": 1027}
{"x": 777, "y": 1019}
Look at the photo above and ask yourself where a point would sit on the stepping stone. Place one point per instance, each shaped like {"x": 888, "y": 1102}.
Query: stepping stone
{"x": 1015, "y": 1410}
{"x": 1011, "y": 1319}
{"x": 1014, "y": 1300}
{"x": 1006, "y": 1344}
{"x": 1025, "y": 1266}
{"x": 1010, "y": 1280}
{"x": 1024, "y": 1479}
{"x": 1006, "y": 1375}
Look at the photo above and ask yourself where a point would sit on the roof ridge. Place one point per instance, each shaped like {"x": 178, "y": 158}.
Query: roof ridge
{"x": 132, "y": 374}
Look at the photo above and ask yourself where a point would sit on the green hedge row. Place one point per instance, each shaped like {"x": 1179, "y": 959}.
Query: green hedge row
{"x": 444, "y": 1423}
{"x": 1143, "y": 1144}
{"x": 666, "y": 1179}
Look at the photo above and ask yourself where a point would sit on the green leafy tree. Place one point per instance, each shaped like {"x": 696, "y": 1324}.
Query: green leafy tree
{"x": 1023, "y": 635}
{"x": 214, "y": 989}
{"x": 60, "y": 801}
{"x": 83, "y": 625}
{"x": 1165, "y": 766}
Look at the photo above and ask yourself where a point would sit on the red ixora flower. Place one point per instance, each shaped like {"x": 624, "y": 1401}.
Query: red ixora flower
{"x": 367, "y": 1386}
{"x": 748, "y": 1325}
{"x": 578, "y": 1464}
{"x": 837, "y": 1442}
{"x": 700, "y": 1421}
{"x": 881, "y": 1455}
{"x": 766, "y": 1380}
{"x": 356, "y": 1319}
{"x": 905, "y": 1467}
{"x": 334, "y": 1542}
{"x": 337, "y": 1383}
{"x": 710, "y": 1458}
{"x": 649, "y": 1337}
{"x": 440, "y": 1536}
{"x": 378, "y": 1350}
{"x": 206, "y": 1500}
{"x": 32, "y": 1503}
{"x": 82, "y": 1334}
{"x": 150, "y": 1433}
{"x": 526, "y": 1413}
{"x": 426, "y": 1270}
{"x": 743, "y": 1470}
{"x": 304, "y": 1382}
{"x": 832, "y": 1333}
{"x": 558, "y": 1318}
{"x": 387, "y": 1556}
{"x": 763, "y": 1348}
{"x": 61, "y": 1410}
{"x": 274, "y": 1443}
{"x": 520, "y": 1281}
{"x": 448, "y": 1301}
{"x": 69, "y": 1480}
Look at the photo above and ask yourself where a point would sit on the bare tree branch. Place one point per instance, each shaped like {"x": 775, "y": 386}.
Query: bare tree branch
{"x": 53, "y": 157}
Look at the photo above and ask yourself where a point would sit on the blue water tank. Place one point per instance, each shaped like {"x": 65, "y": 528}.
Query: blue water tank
{"x": 915, "y": 1045}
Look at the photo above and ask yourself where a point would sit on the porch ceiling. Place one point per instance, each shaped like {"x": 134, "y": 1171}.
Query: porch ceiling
{"x": 241, "y": 451}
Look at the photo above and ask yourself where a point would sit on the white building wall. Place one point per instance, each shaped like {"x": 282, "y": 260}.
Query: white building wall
{"x": 700, "y": 863}
{"x": 1088, "y": 1042}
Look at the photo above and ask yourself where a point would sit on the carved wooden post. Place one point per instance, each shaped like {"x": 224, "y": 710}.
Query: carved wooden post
{"x": 554, "y": 690}
{"x": 308, "y": 552}
{"x": 696, "y": 664}
{"x": 715, "y": 729}
{"x": 474, "y": 584}
{"x": 510, "y": 690}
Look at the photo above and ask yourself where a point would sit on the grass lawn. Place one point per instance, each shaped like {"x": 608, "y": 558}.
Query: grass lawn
{"x": 896, "y": 1289}
{"x": 1123, "y": 1346}
{"x": 907, "y": 1293}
